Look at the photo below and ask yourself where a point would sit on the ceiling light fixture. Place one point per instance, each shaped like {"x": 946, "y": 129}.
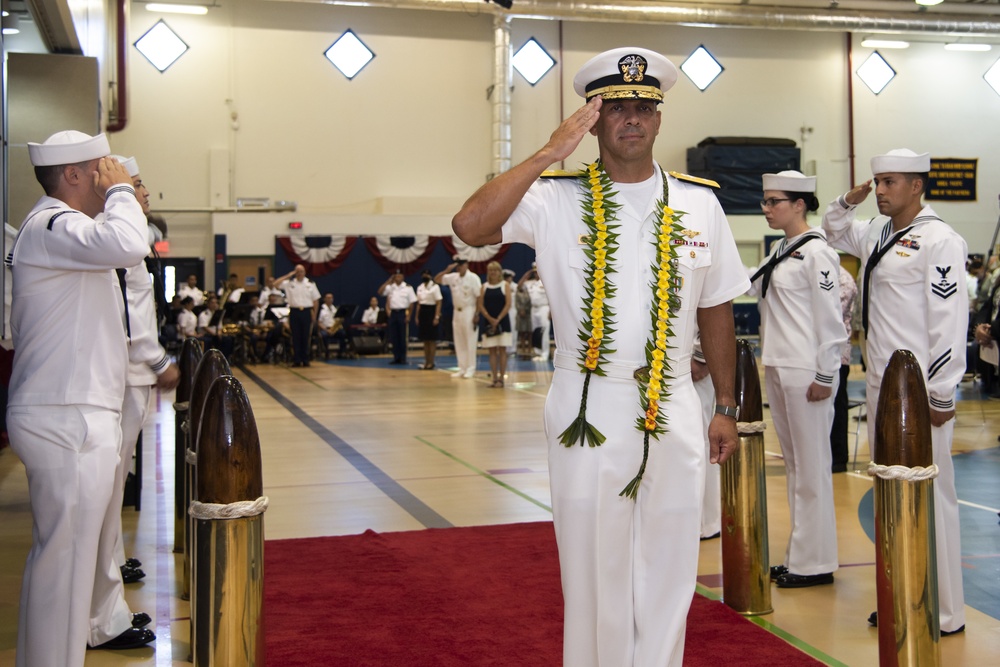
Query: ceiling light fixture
{"x": 11, "y": 24}
{"x": 168, "y": 8}
{"x": 928, "y": 3}
{"x": 967, "y": 46}
{"x": 884, "y": 44}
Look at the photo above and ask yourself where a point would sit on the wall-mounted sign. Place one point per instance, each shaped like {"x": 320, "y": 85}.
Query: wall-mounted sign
{"x": 952, "y": 179}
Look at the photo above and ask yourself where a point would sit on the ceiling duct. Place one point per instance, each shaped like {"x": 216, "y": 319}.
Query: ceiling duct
{"x": 835, "y": 19}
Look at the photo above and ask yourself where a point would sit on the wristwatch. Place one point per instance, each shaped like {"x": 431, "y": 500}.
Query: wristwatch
{"x": 728, "y": 411}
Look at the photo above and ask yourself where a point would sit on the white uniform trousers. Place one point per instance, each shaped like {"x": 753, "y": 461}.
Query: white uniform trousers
{"x": 70, "y": 454}
{"x": 134, "y": 411}
{"x": 803, "y": 430}
{"x": 948, "y": 538}
{"x": 628, "y": 568}
{"x": 463, "y": 328}
{"x": 711, "y": 501}
{"x": 540, "y": 320}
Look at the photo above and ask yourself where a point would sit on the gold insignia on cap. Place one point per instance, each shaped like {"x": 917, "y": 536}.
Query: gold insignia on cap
{"x": 633, "y": 68}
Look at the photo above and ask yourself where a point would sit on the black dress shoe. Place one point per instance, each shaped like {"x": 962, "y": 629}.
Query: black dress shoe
{"x": 945, "y": 633}
{"x": 777, "y": 571}
{"x": 141, "y": 619}
{"x": 712, "y": 537}
{"x": 839, "y": 467}
{"x": 790, "y": 580}
{"x": 873, "y": 619}
{"x": 131, "y": 638}
{"x": 130, "y": 575}
{"x": 133, "y": 562}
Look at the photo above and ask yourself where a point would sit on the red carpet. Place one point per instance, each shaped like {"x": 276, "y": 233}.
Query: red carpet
{"x": 462, "y": 597}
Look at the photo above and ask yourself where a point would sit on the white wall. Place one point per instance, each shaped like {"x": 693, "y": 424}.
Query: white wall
{"x": 412, "y": 132}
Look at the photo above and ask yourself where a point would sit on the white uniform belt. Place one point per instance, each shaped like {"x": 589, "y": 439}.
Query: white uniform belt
{"x": 617, "y": 369}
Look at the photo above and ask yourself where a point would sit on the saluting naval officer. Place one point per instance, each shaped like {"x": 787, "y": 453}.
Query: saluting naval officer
{"x": 149, "y": 365}
{"x": 303, "y": 303}
{"x": 913, "y": 298}
{"x": 66, "y": 392}
{"x": 633, "y": 260}
{"x": 465, "y": 287}
{"x": 801, "y": 335}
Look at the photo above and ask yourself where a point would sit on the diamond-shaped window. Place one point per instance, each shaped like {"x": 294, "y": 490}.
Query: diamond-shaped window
{"x": 702, "y": 68}
{"x": 349, "y": 54}
{"x": 532, "y": 61}
{"x": 992, "y": 77}
{"x": 876, "y": 72}
{"x": 161, "y": 46}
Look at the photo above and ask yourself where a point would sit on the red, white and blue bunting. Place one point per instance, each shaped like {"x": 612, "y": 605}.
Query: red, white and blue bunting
{"x": 407, "y": 253}
{"x": 318, "y": 260}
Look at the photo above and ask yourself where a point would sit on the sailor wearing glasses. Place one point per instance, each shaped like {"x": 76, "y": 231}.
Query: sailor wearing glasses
{"x": 801, "y": 336}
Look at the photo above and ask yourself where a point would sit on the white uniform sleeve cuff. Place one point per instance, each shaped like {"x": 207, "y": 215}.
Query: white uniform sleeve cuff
{"x": 823, "y": 379}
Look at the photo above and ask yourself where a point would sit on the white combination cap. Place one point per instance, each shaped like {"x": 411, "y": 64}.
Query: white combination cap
{"x": 901, "y": 161}
{"x": 131, "y": 166}
{"x": 626, "y": 73}
{"x": 789, "y": 181}
{"x": 68, "y": 147}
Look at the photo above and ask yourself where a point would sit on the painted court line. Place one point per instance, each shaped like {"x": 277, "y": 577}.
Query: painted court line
{"x": 383, "y": 482}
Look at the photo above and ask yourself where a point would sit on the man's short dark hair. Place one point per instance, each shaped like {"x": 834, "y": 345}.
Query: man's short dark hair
{"x": 49, "y": 176}
{"x": 925, "y": 178}
{"x": 186, "y": 300}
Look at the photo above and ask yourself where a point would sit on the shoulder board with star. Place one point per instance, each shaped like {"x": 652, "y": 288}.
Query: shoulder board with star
{"x": 693, "y": 179}
{"x": 560, "y": 173}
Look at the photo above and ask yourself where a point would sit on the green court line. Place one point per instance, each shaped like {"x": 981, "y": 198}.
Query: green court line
{"x": 809, "y": 650}
{"x": 485, "y": 474}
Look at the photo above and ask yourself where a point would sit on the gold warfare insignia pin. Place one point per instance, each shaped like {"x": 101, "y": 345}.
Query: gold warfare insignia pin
{"x": 902, "y": 254}
{"x": 633, "y": 68}
{"x": 690, "y": 233}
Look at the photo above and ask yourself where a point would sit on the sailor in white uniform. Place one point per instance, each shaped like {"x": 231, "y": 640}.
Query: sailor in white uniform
{"x": 149, "y": 365}
{"x": 628, "y": 566}
{"x": 66, "y": 392}
{"x": 465, "y": 287}
{"x": 913, "y": 298}
{"x": 801, "y": 336}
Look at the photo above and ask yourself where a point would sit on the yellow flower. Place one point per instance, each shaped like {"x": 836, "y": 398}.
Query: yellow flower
{"x": 667, "y": 211}
{"x": 596, "y": 312}
{"x": 602, "y": 234}
{"x": 600, "y": 263}
{"x": 600, "y": 243}
{"x": 597, "y": 323}
{"x": 657, "y": 356}
{"x": 663, "y": 314}
{"x": 595, "y": 189}
{"x": 598, "y": 275}
{"x": 597, "y": 334}
{"x": 600, "y": 254}
{"x": 596, "y": 304}
{"x": 654, "y": 386}
{"x": 599, "y": 284}
{"x": 590, "y": 364}
{"x": 661, "y": 335}
{"x": 599, "y": 292}
{"x": 661, "y": 326}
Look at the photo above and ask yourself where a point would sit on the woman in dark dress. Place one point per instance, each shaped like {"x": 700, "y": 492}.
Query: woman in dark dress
{"x": 493, "y": 305}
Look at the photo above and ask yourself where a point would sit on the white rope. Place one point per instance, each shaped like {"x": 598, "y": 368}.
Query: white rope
{"x": 747, "y": 428}
{"x": 904, "y": 473}
{"x": 237, "y": 510}
{"x": 183, "y": 405}
{"x": 191, "y": 457}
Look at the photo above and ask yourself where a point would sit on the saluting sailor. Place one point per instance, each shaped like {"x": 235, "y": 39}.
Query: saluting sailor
{"x": 66, "y": 392}
{"x": 645, "y": 254}
{"x": 913, "y": 298}
{"x": 801, "y": 336}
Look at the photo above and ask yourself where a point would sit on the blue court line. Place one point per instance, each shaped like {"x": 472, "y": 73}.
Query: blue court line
{"x": 383, "y": 482}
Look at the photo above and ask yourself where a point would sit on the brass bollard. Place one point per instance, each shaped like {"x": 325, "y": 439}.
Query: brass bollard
{"x": 909, "y": 629}
{"x": 229, "y": 558}
{"x": 213, "y": 365}
{"x": 746, "y": 581}
{"x": 191, "y": 352}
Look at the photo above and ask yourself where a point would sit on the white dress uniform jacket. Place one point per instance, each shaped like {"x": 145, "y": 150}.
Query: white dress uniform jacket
{"x": 66, "y": 392}
{"x": 464, "y": 293}
{"x": 801, "y": 337}
{"x": 628, "y": 568}
{"x": 917, "y": 302}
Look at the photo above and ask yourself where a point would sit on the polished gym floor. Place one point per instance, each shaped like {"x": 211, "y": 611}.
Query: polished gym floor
{"x": 358, "y": 444}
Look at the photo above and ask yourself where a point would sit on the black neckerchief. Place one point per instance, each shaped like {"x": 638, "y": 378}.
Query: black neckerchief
{"x": 778, "y": 258}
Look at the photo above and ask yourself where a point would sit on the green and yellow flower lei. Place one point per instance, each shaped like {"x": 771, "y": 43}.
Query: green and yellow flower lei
{"x": 595, "y": 332}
